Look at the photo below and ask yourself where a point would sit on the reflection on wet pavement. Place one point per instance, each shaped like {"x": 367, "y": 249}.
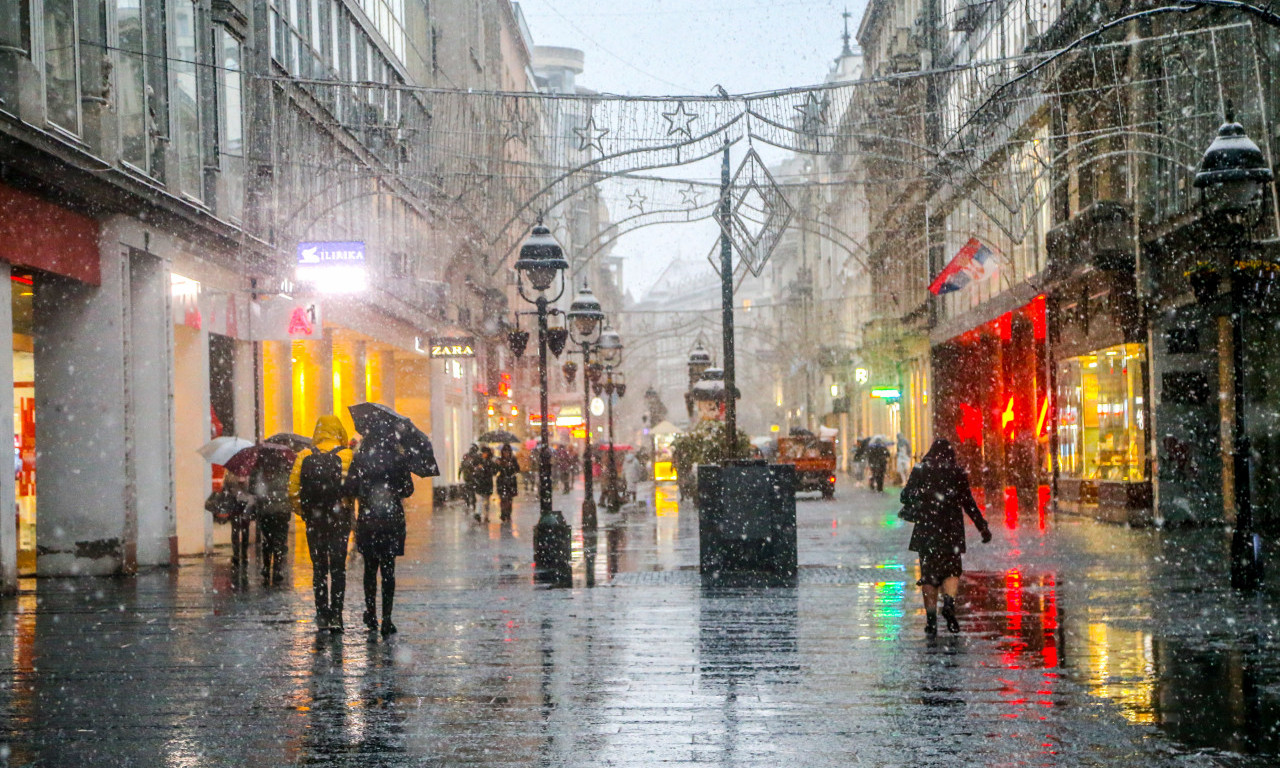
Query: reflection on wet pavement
{"x": 1083, "y": 644}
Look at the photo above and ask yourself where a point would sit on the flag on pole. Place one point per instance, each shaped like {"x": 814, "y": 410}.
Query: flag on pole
{"x": 969, "y": 264}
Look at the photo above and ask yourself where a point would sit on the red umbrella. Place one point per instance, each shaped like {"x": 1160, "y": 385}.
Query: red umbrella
{"x": 267, "y": 455}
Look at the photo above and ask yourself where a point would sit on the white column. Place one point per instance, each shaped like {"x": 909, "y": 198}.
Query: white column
{"x": 82, "y": 438}
{"x": 192, "y": 427}
{"x": 151, "y": 409}
{"x": 8, "y": 533}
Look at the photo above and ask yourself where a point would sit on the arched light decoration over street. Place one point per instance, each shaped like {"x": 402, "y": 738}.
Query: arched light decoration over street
{"x": 585, "y": 317}
{"x": 541, "y": 259}
{"x": 610, "y": 347}
{"x": 1233, "y": 170}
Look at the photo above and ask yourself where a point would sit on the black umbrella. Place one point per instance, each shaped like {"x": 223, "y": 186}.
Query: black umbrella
{"x": 498, "y": 436}
{"x": 376, "y": 418}
{"x": 372, "y": 418}
{"x": 417, "y": 446}
{"x": 800, "y": 432}
{"x": 294, "y": 441}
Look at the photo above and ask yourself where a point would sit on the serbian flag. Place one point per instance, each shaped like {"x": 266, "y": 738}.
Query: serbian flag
{"x": 969, "y": 264}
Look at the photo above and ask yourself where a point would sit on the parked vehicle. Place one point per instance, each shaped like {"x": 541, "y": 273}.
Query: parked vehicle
{"x": 815, "y": 462}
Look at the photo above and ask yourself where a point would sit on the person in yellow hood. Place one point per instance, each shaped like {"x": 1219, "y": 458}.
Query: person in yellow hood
{"x": 315, "y": 487}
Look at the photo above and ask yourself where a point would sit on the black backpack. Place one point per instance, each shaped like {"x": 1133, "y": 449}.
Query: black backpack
{"x": 320, "y": 480}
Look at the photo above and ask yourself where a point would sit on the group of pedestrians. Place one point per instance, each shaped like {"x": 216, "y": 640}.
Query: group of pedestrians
{"x": 482, "y": 475}
{"x": 333, "y": 489}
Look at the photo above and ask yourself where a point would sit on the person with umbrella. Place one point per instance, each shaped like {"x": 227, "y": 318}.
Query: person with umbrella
{"x": 482, "y": 474}
{"x": 316, "y": 490}
{"x": 936, "y": 499}
{"x": 877, "y": 462}
{"x": 508, "y": 472}
{"x": 268, "y": 466}
{"x": 467, "y": 472}
{"x": 380, "y": 477}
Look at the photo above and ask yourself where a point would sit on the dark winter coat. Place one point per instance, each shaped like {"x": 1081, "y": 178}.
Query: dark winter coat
{"x": 481, "y": 477}
{"x": 939, "y": 496}
{"x": 508, "y": 470}
{"x": 877, "y": 455}
{"x": 379, "y": 478}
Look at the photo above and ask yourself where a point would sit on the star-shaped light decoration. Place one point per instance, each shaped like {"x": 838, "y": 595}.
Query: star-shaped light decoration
{"x": 516, "y": 125}
{"x": 690, "y": 196}
{"x": 813, "y": 112}
{"x": 636, "y": 200}
{"x": 590, "y": 135}
{"x": 680, "y": 121}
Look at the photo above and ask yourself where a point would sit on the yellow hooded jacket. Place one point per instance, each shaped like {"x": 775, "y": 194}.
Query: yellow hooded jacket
{"x": 329, "y": 434}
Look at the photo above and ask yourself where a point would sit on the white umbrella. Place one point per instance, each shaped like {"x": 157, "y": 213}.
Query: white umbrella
{"x": 219, "y": 450}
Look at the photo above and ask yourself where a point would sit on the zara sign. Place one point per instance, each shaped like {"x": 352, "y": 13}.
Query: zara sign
{"x": 453, "y": 347}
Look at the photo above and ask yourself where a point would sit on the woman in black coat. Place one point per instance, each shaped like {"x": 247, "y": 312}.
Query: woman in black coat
{"x": 379, "y": 478}
{"x": 483, "y": 470}
{"x": 936, "y": 499}
{"x": 508, "y": 470}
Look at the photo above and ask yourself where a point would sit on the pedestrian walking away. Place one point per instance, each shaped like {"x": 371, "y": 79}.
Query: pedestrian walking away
{"x": 467, "y": 473}
{"x": 269, "y": 483}
{"x": 379, "y": 479}
{"x": 508, "y": 472}
{"x": 237, "y": 489}
{"x": 936, "y": 499}
{"x": 316, "y": 490}
{"x": 524, "y": 457}
{"x": 482, "y": 472}
{"x": 903, "y": 458}
{"x": 877, "y": 462}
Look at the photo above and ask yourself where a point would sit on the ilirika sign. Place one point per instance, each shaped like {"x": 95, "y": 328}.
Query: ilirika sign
{"x": 453, "y": 347}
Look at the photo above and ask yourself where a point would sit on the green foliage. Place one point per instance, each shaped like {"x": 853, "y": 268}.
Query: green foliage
{"x": 704, "y": 444}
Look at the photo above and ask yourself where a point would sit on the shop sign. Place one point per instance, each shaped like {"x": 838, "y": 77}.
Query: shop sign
{"x": 886, "y": 393}
{"x": 276, "y": 318}
{"x": 332, "y": 267}
{"x": 570, "y": 416}
{"x": 201, "y": 308}
{"x": 464, "y": 346}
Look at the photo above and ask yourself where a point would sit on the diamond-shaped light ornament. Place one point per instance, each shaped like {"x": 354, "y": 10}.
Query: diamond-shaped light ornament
{"x": 759, "y": 214}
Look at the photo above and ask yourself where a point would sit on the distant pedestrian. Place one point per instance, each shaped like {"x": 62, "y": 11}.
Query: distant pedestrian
{"x": 316, "y": 488}
{"x": 903, "y": 457}
{"x": 877, "y": 463}
{"x": 269, "y": 484}
{"x": 481, "y": 482}
{"x": 528, "y": 468}
{"x": 634, "y": 473}
{"x": 565, "y": 461}
{"x": 936, "y": 499}
{"x": 508, "y": 474}
{"x": 379, "y": 479}
{"x": 241, "y": 516}
{"x": 466, "y": 473}
{"x": 860, "y": 459}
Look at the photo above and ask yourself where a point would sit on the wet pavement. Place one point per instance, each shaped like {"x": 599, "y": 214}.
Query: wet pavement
{"x": 1083, "y": 644}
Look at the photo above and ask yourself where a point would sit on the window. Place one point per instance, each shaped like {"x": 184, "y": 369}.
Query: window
{"x": 230, "y": 125}
{"x": 1101, "y": 427}
{"x": 15, "y": 26}
{"x": 186, "y": 101}
{"x": 62, "y": 85}
{"x": 140, "y": 104}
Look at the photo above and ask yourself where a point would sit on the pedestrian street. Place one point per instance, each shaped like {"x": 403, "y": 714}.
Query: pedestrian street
{"x": 1082, "y": 644}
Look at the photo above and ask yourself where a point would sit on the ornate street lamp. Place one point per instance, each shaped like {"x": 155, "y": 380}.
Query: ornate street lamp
{"x": 609, "y": 349}
{"x": 1232, "y": 176}
{"x": 585, "y": 321}
{"x": 541, "y": 262}
{"x": 699, "y": 361}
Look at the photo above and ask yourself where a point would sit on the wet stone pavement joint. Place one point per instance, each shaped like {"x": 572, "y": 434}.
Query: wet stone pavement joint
{"x": 1083, "y": 644}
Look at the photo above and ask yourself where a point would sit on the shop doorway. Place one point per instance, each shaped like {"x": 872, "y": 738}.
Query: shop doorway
{"x": 24, "y": 419}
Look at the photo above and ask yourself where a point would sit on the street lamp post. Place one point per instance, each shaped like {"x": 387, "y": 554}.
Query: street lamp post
{"x": 585, "y": 320}
{"x": 542, "y": 261}
{"x": 1232, "y": 174}
{"x": 610, "y": 351}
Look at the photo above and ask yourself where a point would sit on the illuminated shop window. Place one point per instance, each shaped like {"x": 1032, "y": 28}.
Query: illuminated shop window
{"x": 1101, "y": 423}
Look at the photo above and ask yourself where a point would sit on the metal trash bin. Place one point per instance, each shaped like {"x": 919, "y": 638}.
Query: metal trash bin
{"x": 747, "y": 519}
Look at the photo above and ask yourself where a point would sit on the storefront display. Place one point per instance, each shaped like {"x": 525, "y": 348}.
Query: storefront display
{"x": 1101, "y": 415}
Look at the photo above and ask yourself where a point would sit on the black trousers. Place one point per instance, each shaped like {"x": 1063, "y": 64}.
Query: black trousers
{"x": 327, "y": 543}
{"x": 240, "y": 540}
{"x": 274, "y": 531}
{"x": 372, "y": 567}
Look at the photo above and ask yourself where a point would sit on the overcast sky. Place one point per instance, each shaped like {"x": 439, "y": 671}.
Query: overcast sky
{"x": 681, "y": 47}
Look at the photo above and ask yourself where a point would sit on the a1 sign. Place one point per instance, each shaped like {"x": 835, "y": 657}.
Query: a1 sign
{"x": 453, "y": 347}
